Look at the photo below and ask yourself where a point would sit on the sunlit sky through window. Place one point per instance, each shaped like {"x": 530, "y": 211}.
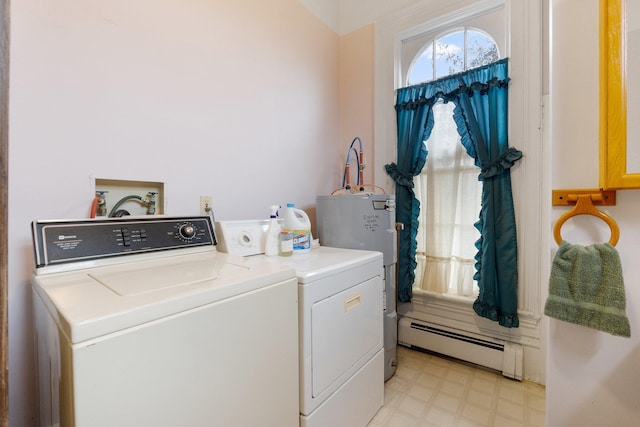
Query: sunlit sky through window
{"x": 453, "y": 55}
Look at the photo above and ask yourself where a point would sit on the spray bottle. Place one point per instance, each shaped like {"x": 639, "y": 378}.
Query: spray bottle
{"x": 273, "y": 233}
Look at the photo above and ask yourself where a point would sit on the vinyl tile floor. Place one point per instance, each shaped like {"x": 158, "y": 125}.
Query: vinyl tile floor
{"x": 428, "y": 391}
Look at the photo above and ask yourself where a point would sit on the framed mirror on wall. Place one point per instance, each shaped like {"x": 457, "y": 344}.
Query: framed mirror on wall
{"x": 619, "y": 94}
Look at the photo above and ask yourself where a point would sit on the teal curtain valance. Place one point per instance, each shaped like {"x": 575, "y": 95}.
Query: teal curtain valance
{"x": 478, "y": 80}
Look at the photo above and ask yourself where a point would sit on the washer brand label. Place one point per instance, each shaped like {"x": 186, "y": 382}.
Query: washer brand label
{"x": 69, "y": 244}
{"x": 66, "y": 242}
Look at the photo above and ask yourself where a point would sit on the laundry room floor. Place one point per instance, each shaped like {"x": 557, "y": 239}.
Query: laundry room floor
{"x": 429, "y": 391}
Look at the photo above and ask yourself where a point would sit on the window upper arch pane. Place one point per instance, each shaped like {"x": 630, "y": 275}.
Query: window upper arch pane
{"x": 481, "y": 48}
{"x": 417, "y": 46}
{"x": 452, "y": 52}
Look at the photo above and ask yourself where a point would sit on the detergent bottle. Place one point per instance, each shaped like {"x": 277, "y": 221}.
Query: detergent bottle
{"x": 273, "y": 233}
{"x": 297, "y": 222}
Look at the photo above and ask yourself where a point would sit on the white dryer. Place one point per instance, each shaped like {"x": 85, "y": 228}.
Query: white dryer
{"x": 341, "y": 336}
{"x": 140, "y": 322}
{"x": 341, "y": 315}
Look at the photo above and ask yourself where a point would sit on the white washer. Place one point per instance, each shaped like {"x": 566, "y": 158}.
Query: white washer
{"x": 142, "y": 323}
{"x": 341, "y": 313}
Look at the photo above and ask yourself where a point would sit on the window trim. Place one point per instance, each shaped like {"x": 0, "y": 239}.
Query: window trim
{"x": 531, "y": 179}
{"x": 527, "y": 129}
{"x": 439, "y": 25}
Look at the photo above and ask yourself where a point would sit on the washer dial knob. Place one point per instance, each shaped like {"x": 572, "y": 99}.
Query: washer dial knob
{"x": 187, "y": 231}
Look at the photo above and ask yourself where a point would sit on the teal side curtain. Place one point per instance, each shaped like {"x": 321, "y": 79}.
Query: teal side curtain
{"x": 415, "y": 121}
{"x": 481, "y": 116}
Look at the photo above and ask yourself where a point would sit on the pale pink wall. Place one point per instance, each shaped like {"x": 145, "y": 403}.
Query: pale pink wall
{"x": 234, "y": 99}
{"x": 356, "y": 97}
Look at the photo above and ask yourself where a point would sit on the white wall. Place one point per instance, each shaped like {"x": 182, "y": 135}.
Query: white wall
{"x": 237, "y": 100}
{"x": 592, "y": 377}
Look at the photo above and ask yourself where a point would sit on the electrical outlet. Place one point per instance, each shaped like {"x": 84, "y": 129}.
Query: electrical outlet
{"x": 205, "y": 203}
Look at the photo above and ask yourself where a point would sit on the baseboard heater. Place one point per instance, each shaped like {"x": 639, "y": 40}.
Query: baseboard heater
{"x": 484, "y": 351}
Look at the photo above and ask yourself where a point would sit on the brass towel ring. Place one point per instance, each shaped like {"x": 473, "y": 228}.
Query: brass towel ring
{"x": 584, "y": 206}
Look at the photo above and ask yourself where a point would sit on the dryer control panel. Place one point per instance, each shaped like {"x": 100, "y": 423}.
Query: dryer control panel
{"x": 64, "y": 241}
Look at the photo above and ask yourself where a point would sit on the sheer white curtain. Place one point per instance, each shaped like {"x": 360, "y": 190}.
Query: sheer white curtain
{"x": 449, "y": 194}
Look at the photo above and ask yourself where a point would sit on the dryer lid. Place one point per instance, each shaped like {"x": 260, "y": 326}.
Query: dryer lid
{"x": 326, "y": 261}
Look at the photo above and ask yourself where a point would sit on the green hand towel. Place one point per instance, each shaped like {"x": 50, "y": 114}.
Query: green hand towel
{"x": 586, "y": 288}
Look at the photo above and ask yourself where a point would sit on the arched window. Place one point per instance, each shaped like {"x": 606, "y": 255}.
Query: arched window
{"x": 448, "y": 187}
{"x": 451, "y": 53}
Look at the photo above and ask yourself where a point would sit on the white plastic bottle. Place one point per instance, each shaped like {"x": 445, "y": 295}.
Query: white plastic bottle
{"x": 273, "y": 233}
{"x": 297, "y": 221}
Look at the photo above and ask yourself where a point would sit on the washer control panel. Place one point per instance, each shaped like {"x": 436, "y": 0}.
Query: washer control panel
{"x": 64, "y": 241}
